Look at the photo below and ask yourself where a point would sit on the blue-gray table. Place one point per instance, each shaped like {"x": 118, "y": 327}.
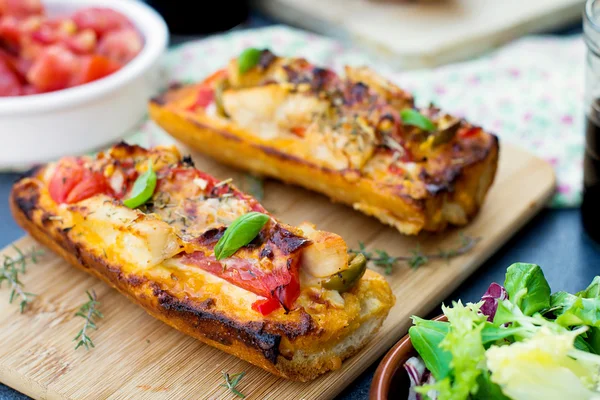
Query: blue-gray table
{"x": 554, "y": 239}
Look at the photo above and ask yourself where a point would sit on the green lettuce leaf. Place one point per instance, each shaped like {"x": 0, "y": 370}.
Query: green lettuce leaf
{"x": 463, "y": 342}
{"x": 426, "y": 337}
{"x": 488, "y": 390}
{"x": 592, "y": 291}
{"x": 527, "y": 287}
{"x": 572, "y": 310}
{"x": 491, "y": 333}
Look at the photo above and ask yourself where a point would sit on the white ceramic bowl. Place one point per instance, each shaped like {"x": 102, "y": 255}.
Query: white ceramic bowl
{"x": 40, "y": 128}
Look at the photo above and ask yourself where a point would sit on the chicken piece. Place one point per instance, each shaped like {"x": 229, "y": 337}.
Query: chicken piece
{"x": 327, "y": 255}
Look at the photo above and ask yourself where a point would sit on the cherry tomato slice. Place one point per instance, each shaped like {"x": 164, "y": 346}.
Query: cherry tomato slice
{"x": 266, "y": 306}
{"x": 469, "y": 132}
{"x": 204, "y": 97}
{"x": 100, "y": 20}
{"x": 92, "y": 184}
{"x": 69, "y": 172}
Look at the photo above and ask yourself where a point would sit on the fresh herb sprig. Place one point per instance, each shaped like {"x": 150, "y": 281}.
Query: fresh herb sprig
{"x": 417, "y": 258}
{"x": 10, "y": 270}
{"x": 231, "y": 382}
{"x": 88, "y": 311}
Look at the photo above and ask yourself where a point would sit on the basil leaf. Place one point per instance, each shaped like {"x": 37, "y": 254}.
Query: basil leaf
{"x": 248, "y": 59}
{"x": 487, "y": 390}
{"x": 527, "y": 287}
{"x": 415, "y": 118}
{"x": 143, "y": 188}
{"x": 241, "y": 232}
{"x": 426, "y": 337}
{"x": 491, "y": 334}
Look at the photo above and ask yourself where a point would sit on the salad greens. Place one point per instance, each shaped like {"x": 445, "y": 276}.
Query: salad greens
{"x": 519, "y": 342}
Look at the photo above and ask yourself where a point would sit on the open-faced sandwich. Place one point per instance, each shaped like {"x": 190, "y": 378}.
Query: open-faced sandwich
{"x": 205, "y": 258}
{"x": 358, "y": 138}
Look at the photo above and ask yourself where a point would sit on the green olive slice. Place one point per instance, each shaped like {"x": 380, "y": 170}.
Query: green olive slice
{"x": 345, "y": 280}
{"x": 447, "y": 128}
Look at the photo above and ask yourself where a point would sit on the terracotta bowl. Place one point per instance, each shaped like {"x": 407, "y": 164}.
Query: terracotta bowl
{"x": 391, "y": 380}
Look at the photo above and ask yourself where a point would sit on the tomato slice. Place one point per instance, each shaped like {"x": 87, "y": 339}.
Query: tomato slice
{"x": 289, "y": 293}
{"x": 72, "y": 182}
{"x": 100, "y": 20}
{"x": 95, "y": 67}
{"x": 204, "y": 97}
{"x": 54, "y": 69}
{"x": 266, "y": 306}
{"x": 280, "y": 283}
{"x": 299, "y": 131}
{"x": 469, "y": 132}
{"x": 121, "y": 46}
{"x": 69, "y": 172}
{"x": 92, "y": 184}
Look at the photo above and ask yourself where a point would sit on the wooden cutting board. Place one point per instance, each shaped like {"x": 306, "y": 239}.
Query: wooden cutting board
{"x": 417, "y": 34}
{"x": 139, "y": 357}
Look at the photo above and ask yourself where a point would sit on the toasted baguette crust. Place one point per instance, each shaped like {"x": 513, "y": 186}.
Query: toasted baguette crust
{"x": 255, "y": 342}
{"x": 453, "y": 199}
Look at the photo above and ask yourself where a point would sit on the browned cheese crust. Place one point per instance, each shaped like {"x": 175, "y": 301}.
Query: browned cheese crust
{"x": 449, "y": 189}
{"x": 278, "y": 347}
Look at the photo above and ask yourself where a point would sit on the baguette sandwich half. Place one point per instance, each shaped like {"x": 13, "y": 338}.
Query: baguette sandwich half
{"x": 205, "y": 258}
{"x": 355, "y": 137}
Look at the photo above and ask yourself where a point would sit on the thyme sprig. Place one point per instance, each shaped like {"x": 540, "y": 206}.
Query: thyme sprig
{"x": 88, "y": 311}
{"x": 10, "y": 270}
{"x": 417, "y": 258}
{"x": 231, "y": 382}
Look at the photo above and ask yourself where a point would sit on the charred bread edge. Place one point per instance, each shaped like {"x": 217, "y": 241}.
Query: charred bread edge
{"x": 248, "y": 341}
{"x": 218, "y": 143}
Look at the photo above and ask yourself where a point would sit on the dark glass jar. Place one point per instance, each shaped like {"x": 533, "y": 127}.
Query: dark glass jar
{"x": 192, "y": 17}
{"x": 590, "y": 207}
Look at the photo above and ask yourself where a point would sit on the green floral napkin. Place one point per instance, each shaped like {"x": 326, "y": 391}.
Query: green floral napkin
{"x": 529, "y": 93}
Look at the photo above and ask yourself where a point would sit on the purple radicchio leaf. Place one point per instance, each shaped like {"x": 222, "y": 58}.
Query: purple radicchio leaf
{"x": 416, "y": 370}
{"x": 492, "y": 296}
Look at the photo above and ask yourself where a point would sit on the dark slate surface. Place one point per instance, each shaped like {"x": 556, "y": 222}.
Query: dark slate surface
{"x": 554, "y": 239}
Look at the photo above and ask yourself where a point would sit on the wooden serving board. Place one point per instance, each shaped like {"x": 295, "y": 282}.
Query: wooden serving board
{"x": 139, "y": 357}
{"x": 417, "y": 34}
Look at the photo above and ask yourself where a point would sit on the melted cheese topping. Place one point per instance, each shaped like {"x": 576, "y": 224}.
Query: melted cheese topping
{"x": 126, "y": 236}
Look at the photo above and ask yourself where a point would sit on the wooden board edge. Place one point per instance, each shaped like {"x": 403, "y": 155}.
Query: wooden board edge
{"x": 20, "y": 383}
{"x": 435, "y": 56}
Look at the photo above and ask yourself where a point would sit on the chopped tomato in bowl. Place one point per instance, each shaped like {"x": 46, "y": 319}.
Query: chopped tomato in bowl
{"x": 45, "y": 53}
{"x": 75, "y": 75}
